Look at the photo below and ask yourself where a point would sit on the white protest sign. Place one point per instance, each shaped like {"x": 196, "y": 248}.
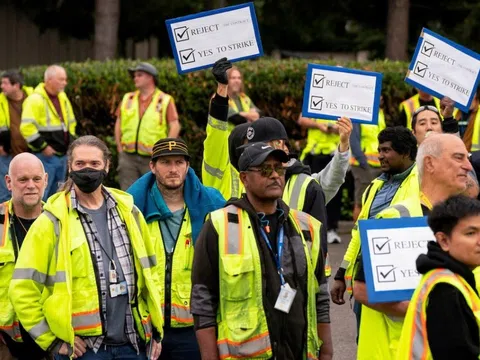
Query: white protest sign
{"x": 201, "y": 39}
{"x": 443, "y": 68}
{"x": 390, "y": 249}
{"x": 332, "y": 92}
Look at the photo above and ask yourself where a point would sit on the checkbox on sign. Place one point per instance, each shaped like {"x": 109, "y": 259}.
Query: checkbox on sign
{"x": 420, "y": 69}
{"x": 318, "y": 80}
{"x": 187, "y": 56}
{"x": 316, "y": 102}
{"x": 386, "y": 273}
{"x": 427, "y": 48}
{"x": 181, "y": 34}
{"x": 381, "y": 245}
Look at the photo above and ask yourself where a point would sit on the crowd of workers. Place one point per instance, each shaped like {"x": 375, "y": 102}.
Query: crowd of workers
{"x": 234, "y": 266}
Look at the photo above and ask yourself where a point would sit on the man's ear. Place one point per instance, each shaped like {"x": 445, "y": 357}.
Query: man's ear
{"x": 8, "y": 182}
{"x": 152, "y": 167}
{"x": 443, "y": 241}
{"x": 244, "y": 179}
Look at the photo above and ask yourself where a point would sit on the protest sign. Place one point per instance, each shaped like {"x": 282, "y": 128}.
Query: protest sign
{"x": 441, "y": 68}
{"x": 332, "y": 92}
{"x": 201, "y": 39}
{"x": 390, "y": 248}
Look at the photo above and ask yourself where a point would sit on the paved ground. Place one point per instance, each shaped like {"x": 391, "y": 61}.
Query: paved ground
{"x": 342, "y": 317}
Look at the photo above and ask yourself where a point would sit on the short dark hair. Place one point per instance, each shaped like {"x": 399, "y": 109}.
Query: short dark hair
{"x": 14, "y": 77}
{"x": 402, "y": 139}
{"x": 446, "y": 215}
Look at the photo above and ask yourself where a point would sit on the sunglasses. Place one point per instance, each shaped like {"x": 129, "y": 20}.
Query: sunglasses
{"x": 267, "y": 171}
{"x": 426, "y": 107}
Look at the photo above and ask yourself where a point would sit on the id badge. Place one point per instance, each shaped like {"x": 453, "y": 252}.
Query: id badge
{"x": 285, "y": 298}
{"x": 112, "y": 276}
{"x": 118, "y": 289}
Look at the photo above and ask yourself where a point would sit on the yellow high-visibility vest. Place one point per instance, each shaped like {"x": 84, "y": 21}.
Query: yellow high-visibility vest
{"x": 181, "y": 282}
{"x": 54, "y": 289}
{"x": 319, "y": 142}
{"x": 413, "y": 343}
{"x": 242, "y": 323}
{"x": 139, "y": 135}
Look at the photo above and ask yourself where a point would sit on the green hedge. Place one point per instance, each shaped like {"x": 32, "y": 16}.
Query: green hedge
{"x": 276, "y": 87}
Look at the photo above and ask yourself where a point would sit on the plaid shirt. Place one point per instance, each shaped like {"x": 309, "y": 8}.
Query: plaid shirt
{"x": 123, "y": 249}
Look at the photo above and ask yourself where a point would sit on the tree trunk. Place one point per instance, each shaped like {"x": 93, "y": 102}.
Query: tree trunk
{"x": 107, "y": 18}
{"x": 397, "y": 29}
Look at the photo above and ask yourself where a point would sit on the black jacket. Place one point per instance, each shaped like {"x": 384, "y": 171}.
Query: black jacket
{"x": 287, "y": 331}
{"x": 314, "y": 198}
{"x": 451, "y": 326}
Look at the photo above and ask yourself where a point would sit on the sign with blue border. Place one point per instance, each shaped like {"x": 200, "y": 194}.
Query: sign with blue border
{"x": 441, "y": 68}
{"x": 332, "y": 92}
{"x": 201, "y": 39}
{"x": 390, "y": 248}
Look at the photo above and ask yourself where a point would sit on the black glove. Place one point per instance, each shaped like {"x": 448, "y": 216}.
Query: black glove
{"x": 220, "y": 70}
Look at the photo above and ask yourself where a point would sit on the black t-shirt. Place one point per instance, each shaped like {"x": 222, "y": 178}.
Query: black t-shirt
{"x": 21, "y": 226}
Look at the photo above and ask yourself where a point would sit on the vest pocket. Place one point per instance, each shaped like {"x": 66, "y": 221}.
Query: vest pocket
{"x": 80, "y": 255}
{"x": 237, "y": 280}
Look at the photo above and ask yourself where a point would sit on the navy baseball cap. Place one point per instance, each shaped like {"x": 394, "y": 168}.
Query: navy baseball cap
{"x": 255, "y": 154}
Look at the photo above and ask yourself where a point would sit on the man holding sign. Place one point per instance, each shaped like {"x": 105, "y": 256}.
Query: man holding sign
{"x": 443, "y": 167}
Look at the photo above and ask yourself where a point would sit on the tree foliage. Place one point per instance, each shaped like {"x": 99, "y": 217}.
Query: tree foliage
{"x": 305, "y": 25}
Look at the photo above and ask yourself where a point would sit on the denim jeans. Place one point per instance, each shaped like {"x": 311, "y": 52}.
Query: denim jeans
{"x": 180, "y": 344}
{"x": 4, "y": 164}
{"x": 56, "y": 168}
{"x": 107, "y": 352}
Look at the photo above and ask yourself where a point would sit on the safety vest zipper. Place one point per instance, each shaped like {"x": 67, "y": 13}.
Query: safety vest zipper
{"x": 168, "y": 275}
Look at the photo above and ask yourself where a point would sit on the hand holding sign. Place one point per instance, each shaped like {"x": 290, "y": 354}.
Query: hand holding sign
{"x": 344, "y": 129}
{"x": 447, "y": 107}
{"x": 220, "y": 70}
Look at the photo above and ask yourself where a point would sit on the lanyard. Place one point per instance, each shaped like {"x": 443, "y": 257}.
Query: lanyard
{"x": 278, "y": 257}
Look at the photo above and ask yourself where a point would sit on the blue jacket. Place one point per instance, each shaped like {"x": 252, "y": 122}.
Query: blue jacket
{"x": 199, "y": 199}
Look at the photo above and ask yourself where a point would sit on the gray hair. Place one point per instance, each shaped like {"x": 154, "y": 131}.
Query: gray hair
{"x": 431, "y": 146}
{"x": 51, "y": 72}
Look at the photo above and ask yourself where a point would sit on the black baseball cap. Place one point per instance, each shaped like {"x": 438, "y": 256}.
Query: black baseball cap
{"x": 169, "y": 147}
{"x": 255, "y": 154}
{"x": 266, "y": 129}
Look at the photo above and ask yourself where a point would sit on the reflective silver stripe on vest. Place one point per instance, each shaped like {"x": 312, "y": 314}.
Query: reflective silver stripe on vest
{"x": 345, "y": 264}
{"x": 86, "y": 320}
{"x": 213, "y": 171}
{"x": 303, "y": 221}
{"x": 39, "y": 329}
{"x": 54, "y": 220}
{"x": 235, "y": 182}
{"x": 30, "y": 121}
{"x": 148, "y": 261}
{"x": 233, "y": 229}
{"x": 219, "y": 125}
{"x": 403, "y": 211}
{"x": 295, "y": 193}
{"x": 245, "y": 350}
{"x": 181, "y": 314}
{"x": 3, "y": 128}
{"x": 418, "y": 344}
{"x": 39, "y": 277}
{"x": 33, "y": 137}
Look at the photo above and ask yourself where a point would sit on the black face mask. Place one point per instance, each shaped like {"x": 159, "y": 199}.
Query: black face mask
{"x": 88, "y": 180}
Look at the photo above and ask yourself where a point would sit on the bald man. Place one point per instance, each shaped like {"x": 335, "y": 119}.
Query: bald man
{"x": 27, "y": 180}
{"x": 48, "y": 125}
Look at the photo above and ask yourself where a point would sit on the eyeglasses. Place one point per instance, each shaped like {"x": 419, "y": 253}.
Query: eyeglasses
{"x": 267, "y": 171}
{"x": 426, "y": 107}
